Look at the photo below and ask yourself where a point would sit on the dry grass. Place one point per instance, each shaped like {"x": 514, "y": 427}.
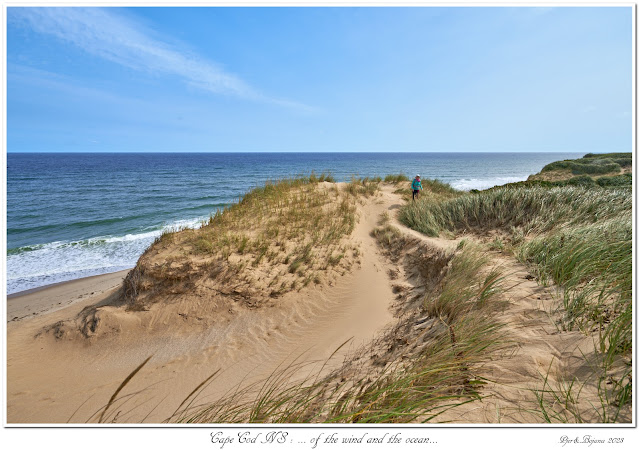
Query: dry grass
{"x": 425, "y": 365}
{"x": 366, "y": 187}
{"x": 422, "y": 367}
{"x": 277, "y": 238}
{"x": 577, "y": 237}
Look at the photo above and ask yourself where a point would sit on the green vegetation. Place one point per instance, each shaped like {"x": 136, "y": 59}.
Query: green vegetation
{"x": 577, "y": 234}
{"x": 284, "y": 235}
{"x": 623, "y": 159}
{"x": 623, "y": 180}
{"x": 439, "y": 188}
{"x": 435, "y": 190}
{"x": 608, "y": 155}
{"x": 616, "y": 181}
{"x": 396, "y": 178}
{"x": 506, "y": 208}
{"x": 593, "y": 164}
{"x": 593, "y": 265}
{"x": 407, "y": 383}
{"x": 367, "y": 186}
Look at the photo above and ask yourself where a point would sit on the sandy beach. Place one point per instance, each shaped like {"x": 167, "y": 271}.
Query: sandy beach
{"x": 356, "y": 215}
{"x": 57, "y": 374}
{"x": 247, "y": 345}
{"x": 34, "y": 302}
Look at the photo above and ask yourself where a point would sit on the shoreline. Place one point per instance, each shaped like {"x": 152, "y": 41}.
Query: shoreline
{"x": 199, "y": 322}
{"x": 65, "y": 374}
{"x": 52, "y": 297}
{"x": 59, "y": 283}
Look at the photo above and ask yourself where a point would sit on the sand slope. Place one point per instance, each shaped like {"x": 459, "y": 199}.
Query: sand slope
{"x": 60, "y": 378}
{"x": 49, "y": 378}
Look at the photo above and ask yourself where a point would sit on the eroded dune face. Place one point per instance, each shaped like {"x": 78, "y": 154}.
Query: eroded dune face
{"x": 282, "y": 238}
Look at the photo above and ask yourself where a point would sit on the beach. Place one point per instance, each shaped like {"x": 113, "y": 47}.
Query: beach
{"x": 406, "y": 218}
{"x": 50, "y": 377}
{"x": 44, "y": 300}
{"x": 71, "y": 345}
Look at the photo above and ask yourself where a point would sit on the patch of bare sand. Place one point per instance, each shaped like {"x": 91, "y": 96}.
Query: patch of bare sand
{"x": 68, "y": 374}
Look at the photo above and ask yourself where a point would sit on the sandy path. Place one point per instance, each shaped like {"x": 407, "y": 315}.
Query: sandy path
{"x": 50, "y": 380}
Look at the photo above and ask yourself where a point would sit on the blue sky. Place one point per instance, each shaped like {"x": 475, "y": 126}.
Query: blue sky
{"x": 319, "y": 79}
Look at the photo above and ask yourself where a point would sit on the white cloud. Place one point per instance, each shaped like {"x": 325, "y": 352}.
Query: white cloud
{"x": 130, "y": 108}
{"x": 118, "y": 39}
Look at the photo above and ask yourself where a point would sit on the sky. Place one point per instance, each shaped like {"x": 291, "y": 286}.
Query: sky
{"x": 319, "y": 79}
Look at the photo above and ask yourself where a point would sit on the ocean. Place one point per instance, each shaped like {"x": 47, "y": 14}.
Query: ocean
{"x": 72, "y": 215}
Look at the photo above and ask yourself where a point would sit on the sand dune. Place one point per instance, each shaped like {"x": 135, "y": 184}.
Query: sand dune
{"x": 57, "y": 373}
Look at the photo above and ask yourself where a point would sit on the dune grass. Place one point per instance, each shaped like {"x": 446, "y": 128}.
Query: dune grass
{"x": 439, "y": 189}
{"x": 433, "y": 189}
{"x": 535, "y": 209}
{"x": 593, "y": 164}
{"x": 593, "y": 265}
{"x": 285, "y": 235}
{"x": 575, "y": 236}
{"x": 396, "y": 178}
{"x": 412, "y": 383}
{"x": 367, "y": 186}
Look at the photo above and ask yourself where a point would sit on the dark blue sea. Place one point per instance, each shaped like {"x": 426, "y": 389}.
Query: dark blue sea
{"x": 76, "y": 215}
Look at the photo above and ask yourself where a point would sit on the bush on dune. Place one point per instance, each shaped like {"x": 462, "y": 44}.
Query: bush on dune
{"x": 594, "y": 164}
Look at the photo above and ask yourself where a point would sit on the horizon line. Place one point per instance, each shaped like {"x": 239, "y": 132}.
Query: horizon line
{"x": 312, "y": 152}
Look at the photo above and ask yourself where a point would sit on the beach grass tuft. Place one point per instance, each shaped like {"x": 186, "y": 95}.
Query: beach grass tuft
{"x": 396, "y": 178}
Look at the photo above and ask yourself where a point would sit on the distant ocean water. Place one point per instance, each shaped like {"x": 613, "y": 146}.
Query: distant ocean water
{"x": 74, "y": 215}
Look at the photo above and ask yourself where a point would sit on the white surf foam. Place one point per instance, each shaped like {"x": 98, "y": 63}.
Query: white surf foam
{"x": 484, "y": 183}
{"x": 63, "y": 261}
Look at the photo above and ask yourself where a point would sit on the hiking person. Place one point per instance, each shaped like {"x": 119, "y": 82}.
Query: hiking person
{"x": 417, "y": 186}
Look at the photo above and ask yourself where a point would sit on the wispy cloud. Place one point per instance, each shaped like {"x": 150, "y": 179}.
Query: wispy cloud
{"x": 67, "y": 96}
{"x": 121, "y": 40}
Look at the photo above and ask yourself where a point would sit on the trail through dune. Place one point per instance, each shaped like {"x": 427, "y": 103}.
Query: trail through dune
{"x": 56, "y": 380}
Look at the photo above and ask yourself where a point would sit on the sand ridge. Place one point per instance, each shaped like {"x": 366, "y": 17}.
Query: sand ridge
{"x": 247, "y": 345}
